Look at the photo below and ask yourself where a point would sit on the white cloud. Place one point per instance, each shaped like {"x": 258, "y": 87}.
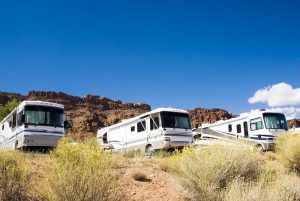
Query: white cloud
{"x": 290, "y": 112}
{"x": 281, "y": 94}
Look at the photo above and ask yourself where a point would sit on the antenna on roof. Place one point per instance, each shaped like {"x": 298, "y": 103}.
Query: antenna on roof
{"x": 262, "y": 110}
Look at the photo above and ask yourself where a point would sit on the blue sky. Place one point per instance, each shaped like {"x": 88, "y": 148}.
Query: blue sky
{"x": 182, "y": 54}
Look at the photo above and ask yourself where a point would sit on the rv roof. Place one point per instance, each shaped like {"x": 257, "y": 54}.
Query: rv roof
{"x": 146, "y": 114}
{"x": 24, "y": 103}
{"x": 238, "y": 118}
{"x": 41, "y": 103}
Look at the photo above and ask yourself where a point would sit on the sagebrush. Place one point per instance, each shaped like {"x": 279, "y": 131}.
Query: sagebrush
{"x": 81, "y": 172}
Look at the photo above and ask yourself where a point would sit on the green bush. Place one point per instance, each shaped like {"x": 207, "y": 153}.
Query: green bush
{"x": 15, "y": 177}
{"x": 206, "y": 173}
{"x": 8, "y": 108}
{"x": 80, "y": 172}
{"x": 288, "y": 151}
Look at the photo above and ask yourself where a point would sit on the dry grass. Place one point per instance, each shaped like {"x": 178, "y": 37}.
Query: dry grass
{"x": 207, "y": 172}
{"x": 281, "y": 188}
{"x": 80, "y": 172}
{"x": 288, "y": 151}
{"x": 134, "y": 154}
{"x": 165, "y": 166}
{"x": 16, "y": 177}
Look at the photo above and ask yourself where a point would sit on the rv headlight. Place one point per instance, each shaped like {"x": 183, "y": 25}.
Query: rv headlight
{"x": 167, "y": 138}
{"x": 26, "y": 139}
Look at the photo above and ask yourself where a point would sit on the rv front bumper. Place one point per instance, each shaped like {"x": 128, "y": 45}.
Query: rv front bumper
{"x": 41, "y": 140}
{"x": 176, "y": 144}
{"x": 268, "y": 146}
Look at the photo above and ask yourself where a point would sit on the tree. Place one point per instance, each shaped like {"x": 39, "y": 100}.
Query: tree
{"x": 8, "y": 108}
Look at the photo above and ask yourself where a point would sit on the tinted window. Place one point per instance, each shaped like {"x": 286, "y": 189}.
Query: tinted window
{"x": 154, "y": 124}
{"x": 238, "y": 128}
{"x": 132, "y": 128}
{"x": 104, "y": 138}
{"x": 141, "y": 126}
{"x": 46, "y": 116}
{"x": 20, "y": 118}
{"x": 229, "y": 128}
{"x": 14, "y": 122}
{"x": 245, "y": 129}
{"x": 256, "y": 124}
{"x": 175, "y": 120}
{"x": 275, "y": 121}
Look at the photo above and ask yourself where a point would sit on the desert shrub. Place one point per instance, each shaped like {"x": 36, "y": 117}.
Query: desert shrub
{"x": 282, "y": 188}
{"x": 164, "y": 153}
{"x": 80, "y": 172}
{"x": 134, "y": 154}
{"x": 15, "y": 177}
{"x": 288, "y": 151}
{"x": 140, "y": 176}
{"x": 90, "y": 141}
{"x": 165, "y": 166}
{"x": 206, "y": 173}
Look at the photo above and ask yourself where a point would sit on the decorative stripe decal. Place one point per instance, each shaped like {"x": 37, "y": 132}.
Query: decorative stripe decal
{"x": 43, "y": 131}
{"x": 175, "y": 135}
{"x": 257, "y": 138}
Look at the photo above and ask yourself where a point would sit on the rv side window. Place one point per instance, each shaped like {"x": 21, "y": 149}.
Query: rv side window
{"x": 20, "y": 118}
{"x": 14, "y": 122}
{"x": 104, "y": 138}
{"x": 141, "y": 126}
{"x": 229, "y": 128}
{"x": 3, "y": 127}
{"x": 154, "y": 124}
{"x": 238, "y": 128}
{"x": 132, "y": 128}
{"x": 256, "y": 124}
{"x": 10, "y": 123}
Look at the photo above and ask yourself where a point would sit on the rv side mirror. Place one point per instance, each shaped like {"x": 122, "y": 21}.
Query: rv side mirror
{"x": 67, "y": 125}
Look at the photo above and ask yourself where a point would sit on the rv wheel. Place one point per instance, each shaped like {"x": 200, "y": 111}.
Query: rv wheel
{"x": 149, "y": 150}
{"x": 260, "y": 148}
{"x": 16, "y": 145}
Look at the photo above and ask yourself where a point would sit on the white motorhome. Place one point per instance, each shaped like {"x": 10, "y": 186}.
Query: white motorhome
{"x": 259, "y": 128}
{"x": 33, "y": 124}
{"x": 163, "y": 128}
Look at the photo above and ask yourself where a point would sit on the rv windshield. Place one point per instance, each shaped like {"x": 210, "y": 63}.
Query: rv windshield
{"x": 275, "y": 121}
{"x": 175, "y": 120}
{"x": 44, "y": 116}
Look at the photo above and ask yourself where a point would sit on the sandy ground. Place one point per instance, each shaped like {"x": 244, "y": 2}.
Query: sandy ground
{"x": 160, "y": 185}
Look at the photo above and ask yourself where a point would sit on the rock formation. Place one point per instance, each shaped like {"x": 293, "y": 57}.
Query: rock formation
{"x": 293, "y": 122}
{"x": 86, "y": 114}
{"x": 90, "y": 112}
{"x": 203, "y": 115}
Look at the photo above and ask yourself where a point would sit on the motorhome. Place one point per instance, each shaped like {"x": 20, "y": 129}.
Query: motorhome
{"x": 259, "y": 128}
{"x": 33, "y": 124}
{"x": 162, "y": 128}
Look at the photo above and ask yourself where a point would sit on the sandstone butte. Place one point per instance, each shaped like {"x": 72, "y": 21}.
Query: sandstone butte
{"x": 90, "y": 112}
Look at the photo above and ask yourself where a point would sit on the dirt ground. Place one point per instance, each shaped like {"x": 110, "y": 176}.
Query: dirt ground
{"x": 160, "y": 185}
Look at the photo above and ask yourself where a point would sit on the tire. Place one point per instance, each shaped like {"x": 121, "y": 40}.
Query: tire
{"x": 16, "y": 145}
{"x": 260, "y": 148}
{"x": 149, "y": 150}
